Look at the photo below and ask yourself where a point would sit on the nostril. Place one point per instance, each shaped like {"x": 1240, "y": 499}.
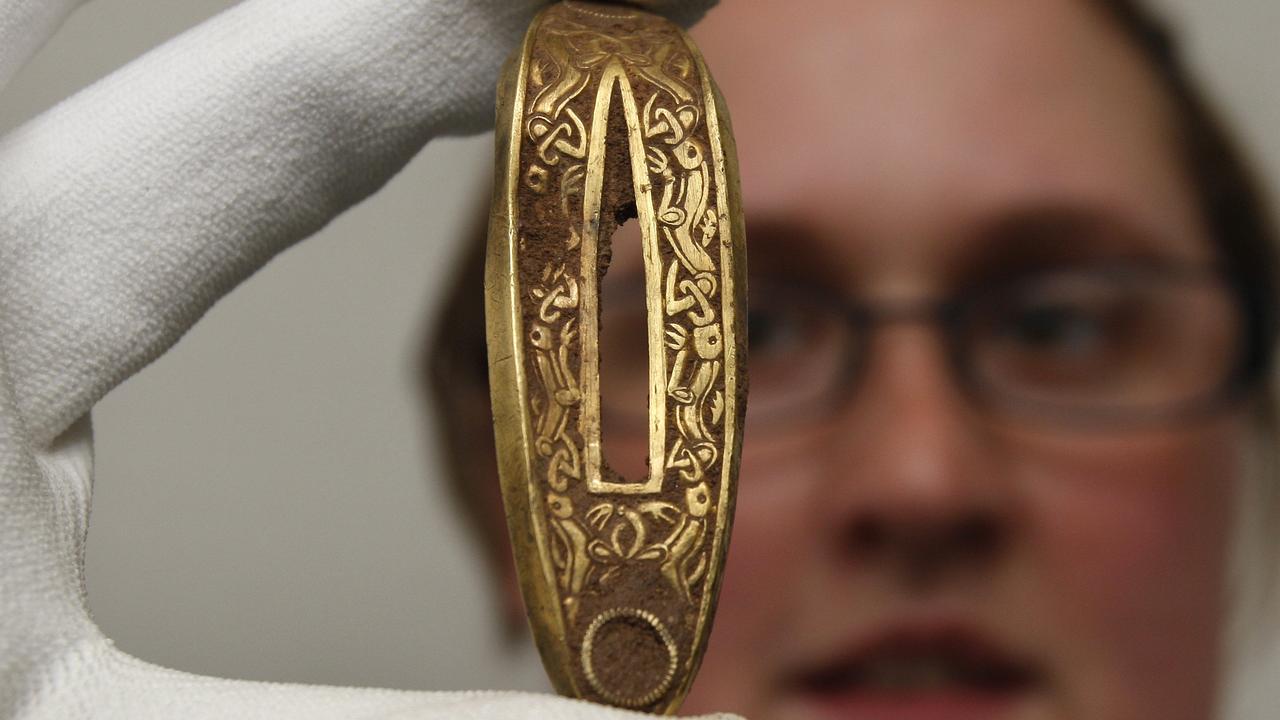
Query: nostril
{"x": 866, "y": 537}
{"x": 976, "y": 537}
{"x": 924, "y": 550}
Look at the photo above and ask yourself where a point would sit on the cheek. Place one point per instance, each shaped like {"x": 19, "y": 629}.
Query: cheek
{"x": 773, "y": 538}
{"x": 1129, "y": 540}
{"x": 1144, "y": 518}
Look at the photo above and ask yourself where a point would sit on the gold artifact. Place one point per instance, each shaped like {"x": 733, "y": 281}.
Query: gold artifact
{"x": 607, "y": 112}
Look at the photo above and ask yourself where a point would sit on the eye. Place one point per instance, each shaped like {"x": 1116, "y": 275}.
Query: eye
{"x": 773, "y": 327}
{"x": 799, "y": 347}
{"x": 1111, "y": 339}
{"x": 784, "y": 325}
{"x": 1066, "y": 327}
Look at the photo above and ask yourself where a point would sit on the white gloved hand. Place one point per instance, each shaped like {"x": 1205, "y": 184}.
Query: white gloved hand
{"x": 125, "y": 213}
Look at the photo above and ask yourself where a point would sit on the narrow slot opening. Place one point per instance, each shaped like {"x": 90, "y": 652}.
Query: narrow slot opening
{"x": 624, "y": 353}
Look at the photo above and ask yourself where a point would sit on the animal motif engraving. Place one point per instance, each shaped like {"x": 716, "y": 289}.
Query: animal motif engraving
{"x": 653, "y": 71}
{"x": 621, "y": 557}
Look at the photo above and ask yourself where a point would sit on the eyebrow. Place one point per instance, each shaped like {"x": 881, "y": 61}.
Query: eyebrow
{"x": 1045, "y": 236}
{"x": 780, "y": 247}
{"x": 783, "y": 247}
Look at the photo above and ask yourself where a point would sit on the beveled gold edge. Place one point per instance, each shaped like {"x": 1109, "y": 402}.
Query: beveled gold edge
{"x": 733, "y": 270}
{"x": 507, "y": 380}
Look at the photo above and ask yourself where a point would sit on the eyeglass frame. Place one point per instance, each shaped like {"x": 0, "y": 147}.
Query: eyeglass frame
{"x": 950, "y": 315}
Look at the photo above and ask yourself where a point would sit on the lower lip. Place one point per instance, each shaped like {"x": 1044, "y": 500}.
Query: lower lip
{"x": 943, "y": 705}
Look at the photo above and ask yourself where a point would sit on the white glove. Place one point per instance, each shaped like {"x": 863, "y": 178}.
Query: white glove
{"x": 125, "y": 213}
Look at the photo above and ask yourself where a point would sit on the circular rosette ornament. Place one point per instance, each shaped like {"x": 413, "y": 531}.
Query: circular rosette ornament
{"x": 604, "y": 113}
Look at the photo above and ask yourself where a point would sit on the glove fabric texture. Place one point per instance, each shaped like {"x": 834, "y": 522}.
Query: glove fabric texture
{"x": 126, "y": 211}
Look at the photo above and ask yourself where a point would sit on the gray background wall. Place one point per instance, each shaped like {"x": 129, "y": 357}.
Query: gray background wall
{"x": 266, "y": 504}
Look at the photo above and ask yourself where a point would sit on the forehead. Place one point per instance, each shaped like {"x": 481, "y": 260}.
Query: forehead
{"x": 891, "y": 129}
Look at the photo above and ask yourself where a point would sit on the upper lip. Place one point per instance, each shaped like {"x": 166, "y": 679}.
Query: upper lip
{"x": 915, "y": 656}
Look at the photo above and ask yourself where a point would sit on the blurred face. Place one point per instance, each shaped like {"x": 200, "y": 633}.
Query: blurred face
{"x": 974, "y": 275}
{"x": 906, "y": 551}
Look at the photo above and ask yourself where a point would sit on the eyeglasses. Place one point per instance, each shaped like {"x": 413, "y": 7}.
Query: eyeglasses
{"x": 1093, "y": 346}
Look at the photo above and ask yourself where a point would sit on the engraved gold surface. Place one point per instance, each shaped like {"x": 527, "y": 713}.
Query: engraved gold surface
{"x": 603, "y": 106}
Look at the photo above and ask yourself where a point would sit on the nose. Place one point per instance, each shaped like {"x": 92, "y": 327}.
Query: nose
{"x": 914, "y": 487}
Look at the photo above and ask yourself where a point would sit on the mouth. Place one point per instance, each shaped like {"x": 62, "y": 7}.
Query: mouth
{"x": 920, "y": 674}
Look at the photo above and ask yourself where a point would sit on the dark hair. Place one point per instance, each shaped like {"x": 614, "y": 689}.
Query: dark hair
{"x": 1229, "y": 196}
